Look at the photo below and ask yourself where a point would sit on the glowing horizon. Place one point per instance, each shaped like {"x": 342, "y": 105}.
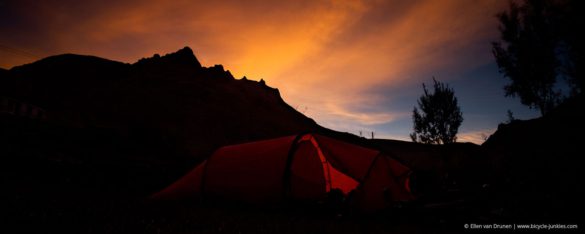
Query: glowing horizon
{"x": 350, "y": 65}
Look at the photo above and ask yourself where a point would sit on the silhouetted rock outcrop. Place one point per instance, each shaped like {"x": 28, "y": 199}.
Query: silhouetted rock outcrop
{"x": 184, "y": 57}
{"x": 539, "y": 163}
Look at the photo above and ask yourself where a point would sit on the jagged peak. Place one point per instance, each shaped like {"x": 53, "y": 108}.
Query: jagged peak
{"x": 186, "y": 50}
{"x": 184, "y": 56}
{"x": 218, "y": 71}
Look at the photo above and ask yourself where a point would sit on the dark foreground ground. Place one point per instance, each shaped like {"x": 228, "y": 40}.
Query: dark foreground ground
{"x": 44, "y": 198}
{"x": 67, "y": 180}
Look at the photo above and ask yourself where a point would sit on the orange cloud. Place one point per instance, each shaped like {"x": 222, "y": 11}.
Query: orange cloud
{"x": 323, "y": 55}
{"x": 434, "y": 36}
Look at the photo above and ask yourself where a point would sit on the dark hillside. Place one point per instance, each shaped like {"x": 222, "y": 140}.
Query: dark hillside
{"x": 171, "y": 97}
{"x": 539, "y": 164}
{"x": 82, "y": 137}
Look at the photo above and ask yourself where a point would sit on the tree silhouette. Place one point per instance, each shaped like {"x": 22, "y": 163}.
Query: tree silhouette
{"x": 540, "y": 43}
{"x": 569, "y": 20}
{"x": 440, "y": 118}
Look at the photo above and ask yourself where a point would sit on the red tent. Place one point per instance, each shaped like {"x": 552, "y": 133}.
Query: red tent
{"x": 304, "y": 167}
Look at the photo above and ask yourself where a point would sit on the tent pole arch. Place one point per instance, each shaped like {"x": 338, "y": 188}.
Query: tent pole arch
{"x": 380, "y": 156}
{"x": 289, "y": 159}
{"x": 324, "y": 163}
{"x": 406, "y": 175}
{"x": 327, "y": 174}
{"x": 340, "y": 168}
{"x": 367, "y": 175}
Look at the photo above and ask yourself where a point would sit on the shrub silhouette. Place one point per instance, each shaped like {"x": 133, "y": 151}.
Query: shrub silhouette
{"x": 440, "y": 118}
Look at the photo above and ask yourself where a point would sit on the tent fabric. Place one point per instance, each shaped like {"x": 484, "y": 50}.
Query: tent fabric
{"x": 252, "y": 172}
{"x": 352, "y": 159}
{"x": 303, "y": 167}
{"x": 382, "y": 186}
{"x": 334, "y": 179}
{"x": 308, "y": 179}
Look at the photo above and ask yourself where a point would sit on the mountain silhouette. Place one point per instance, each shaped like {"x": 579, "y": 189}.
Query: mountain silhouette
{"x": 171, "y": 96}
{"x": 84, "y": 124}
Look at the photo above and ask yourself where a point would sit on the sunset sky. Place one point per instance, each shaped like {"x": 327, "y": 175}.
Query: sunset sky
{"x": 350, "y": 65}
